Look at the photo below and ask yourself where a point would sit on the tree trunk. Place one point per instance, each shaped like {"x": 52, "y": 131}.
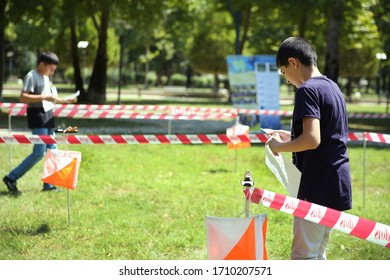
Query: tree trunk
{"x": 189, "y": 74}
{"x": 349, "y": 90}
{"x": 147, "y": 66}
{"x": 248, "y": 13}
{"x": 98, "y": 82}
{"x": 302, "y": 25}
{"x": 332, "y": 38}
{"x": 216, "y": 85}
{"x": 76, "y": 61}
{"x": 237, "y": 25}
{"x": 3, "y": 24}
{"x": 159, "y": 81}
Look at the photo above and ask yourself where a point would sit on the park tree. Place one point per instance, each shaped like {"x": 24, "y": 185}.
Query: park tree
{"x": 50, "y": 22}
{"x": 145, "y": 18}
{"x": 299, "y": 14}
{"x": 25, "y": 19}
{"x": 74, "y": 12}
{"x": 212, "y": 42}
{"x": 168, "y": 36}
{"x": 89, "y": 21}
{"x": 335, "y": 12}
{"x": 269, "y": 27}
{"x": 178, "y": 24}
{"x": 318, "y": 21}
{"x": 98, "y": 81}
{"x": 380, "y": 9}
{"x": 359, "y": 40}
{"x": 241, "y": 13}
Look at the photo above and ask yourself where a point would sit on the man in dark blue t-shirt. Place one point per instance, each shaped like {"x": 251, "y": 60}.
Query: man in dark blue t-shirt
{"x": 318, "y": 142}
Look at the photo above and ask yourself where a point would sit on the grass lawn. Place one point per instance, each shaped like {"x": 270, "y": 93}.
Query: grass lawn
{"x": 150, "y": 202}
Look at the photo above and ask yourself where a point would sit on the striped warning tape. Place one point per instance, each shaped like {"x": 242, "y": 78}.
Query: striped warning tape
{"x": 129, "y": 139}
{"x": 356, "y": 226}
{"x": 369, "y": 137}
{"x": 19, "y": 109}
{"x": 162, "y": 138}
{"x": 98, "y": 107}
{"x": 116, "y": 114}
{"x": 146, "y": 113}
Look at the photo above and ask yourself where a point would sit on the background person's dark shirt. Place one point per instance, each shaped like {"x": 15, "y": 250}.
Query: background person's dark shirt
{"x": 35, "y": 83}
{"x": 38, "y": 118}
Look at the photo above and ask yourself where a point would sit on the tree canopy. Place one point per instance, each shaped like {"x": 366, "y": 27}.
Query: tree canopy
{"x": 175, "y": 36}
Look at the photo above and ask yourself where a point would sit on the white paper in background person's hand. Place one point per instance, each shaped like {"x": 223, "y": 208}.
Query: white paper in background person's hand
{"x": 72, "y": 96}
{"x": 283, "y": 169}
{"x": 48, "y": 105}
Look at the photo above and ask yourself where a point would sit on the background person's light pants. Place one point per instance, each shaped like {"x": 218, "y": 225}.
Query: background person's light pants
{"x": 310, "y": 240}
{"x": 38, "y": 152}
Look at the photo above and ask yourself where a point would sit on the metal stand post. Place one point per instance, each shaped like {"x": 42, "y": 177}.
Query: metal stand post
{"x": 65, "y": 133}
{"x": 235, "y": 151}
{"x": 10, "y": 146}
{"x": 364, "y": 169}
{"x": 68, "y": 207}
{"x": 169, "y": 127}
{"x": 248, "y": 184}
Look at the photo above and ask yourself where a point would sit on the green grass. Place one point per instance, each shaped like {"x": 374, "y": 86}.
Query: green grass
{"x": 149, "y": 202}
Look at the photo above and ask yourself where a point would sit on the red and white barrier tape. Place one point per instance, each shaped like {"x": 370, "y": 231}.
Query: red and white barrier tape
{"x": 147, "y": 111}
{"x": 19, "y": 109}
{"x": 95, "y": 107}
{"x": 359, "y": 227}
{"x": 115, "y": 114}
{"x": 162, "y": 138}
{"x": 128, "y": 139}
{"x": 376, "y": 137}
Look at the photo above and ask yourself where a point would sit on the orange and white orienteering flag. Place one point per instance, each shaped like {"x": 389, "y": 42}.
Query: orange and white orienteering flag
{"x": 236, "y": 238}
{"x": 233, "y": 134}
{"x": 61, "y": 168}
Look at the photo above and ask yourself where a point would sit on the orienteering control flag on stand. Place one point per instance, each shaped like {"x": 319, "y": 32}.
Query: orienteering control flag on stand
{"x": 236, "y": 238}
{"x": 233, "y": 132}
{"x": 61, "y": 168}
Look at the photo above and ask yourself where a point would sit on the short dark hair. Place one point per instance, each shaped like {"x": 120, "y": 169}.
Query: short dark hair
{"x": 298, "y": 48}
{"x": 48, "y": 58}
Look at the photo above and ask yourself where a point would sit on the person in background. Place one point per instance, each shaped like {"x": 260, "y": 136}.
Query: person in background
{"x": 317, "y": 141}
{"x": 37, "y": 92}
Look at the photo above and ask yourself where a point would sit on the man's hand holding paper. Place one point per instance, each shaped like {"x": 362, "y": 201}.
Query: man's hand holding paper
{"x": 53, "y": 98}
{"x": 71, "y": 98}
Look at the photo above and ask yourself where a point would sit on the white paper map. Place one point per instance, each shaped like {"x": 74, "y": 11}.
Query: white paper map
{"x": 72, "y": 96}
{"x": 284, "y": 170}
{"x": 47, "y": 105}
